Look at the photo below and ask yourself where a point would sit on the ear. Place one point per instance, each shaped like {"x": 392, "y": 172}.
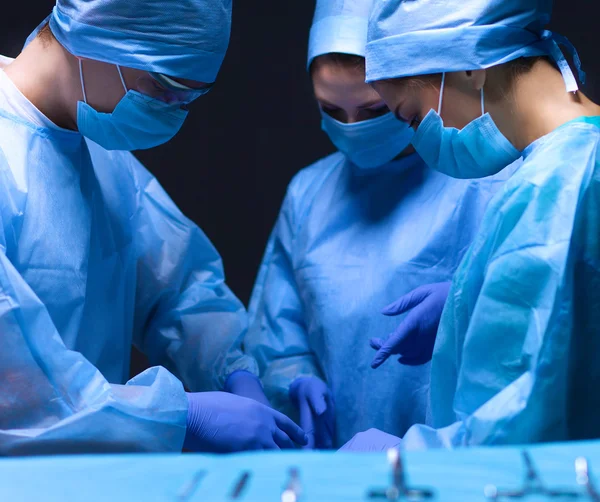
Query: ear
{"x": 469, "y": 81}
{"x": 478, "y": 78}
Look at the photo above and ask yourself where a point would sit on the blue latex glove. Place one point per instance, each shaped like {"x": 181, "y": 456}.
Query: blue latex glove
{"x": 371, "y": 440}
{"x": 415, "y": 337}
{"x": 314, "y": 401}
{"x": 219, "y": 422}
{"x": 245, "y": 384}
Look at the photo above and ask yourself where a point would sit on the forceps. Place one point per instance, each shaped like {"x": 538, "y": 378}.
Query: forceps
{"x": 398, "y": 489}
{"x": 532, "y": 485}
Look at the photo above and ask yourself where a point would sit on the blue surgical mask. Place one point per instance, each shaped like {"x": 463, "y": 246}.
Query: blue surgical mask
{"x": 138, "y": 121}
{"x": 371, "y": 143}
{"x": 476, "y": 151}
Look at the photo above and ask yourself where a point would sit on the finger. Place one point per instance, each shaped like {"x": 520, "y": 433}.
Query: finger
{"x": 406, "y": 328}
{"x": 408, "y": 301}
{"x": 295, "y": 433}
{"x": 307, "y": 424}
{"x": 326, "y": 428}
{"x": 282, "y": 440}
{"x": 376, "y": 343}
{"x": 324, "y": 424}
{"x": 316, "y": 399}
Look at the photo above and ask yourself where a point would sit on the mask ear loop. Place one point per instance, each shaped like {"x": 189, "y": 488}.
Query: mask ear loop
{"x": 122, "y": 79}
{"x": 442, "y": 94}
{"x": 482, "y": 103}
{"x": 81, "y": 80}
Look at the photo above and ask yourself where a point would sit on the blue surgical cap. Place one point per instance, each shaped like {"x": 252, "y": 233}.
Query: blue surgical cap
{"x": 419, "y": 37}
{"x": 183, "y": 39}
{"x": 339, "y": 26}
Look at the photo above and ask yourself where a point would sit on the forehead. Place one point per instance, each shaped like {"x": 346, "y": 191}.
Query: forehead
{"x": 332, "y": 74}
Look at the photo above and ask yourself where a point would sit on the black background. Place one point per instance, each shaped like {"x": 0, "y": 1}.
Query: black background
{"x": 229, "y": 166}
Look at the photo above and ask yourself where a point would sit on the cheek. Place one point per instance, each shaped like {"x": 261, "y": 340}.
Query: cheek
{"x": 459, "y": 109}
{"x": 387, "y": 93}
{"x": 429, "y": 99}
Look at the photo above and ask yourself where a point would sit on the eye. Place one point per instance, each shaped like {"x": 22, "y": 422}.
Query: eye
{"x": 382, "y": 108}
{"x": 158, "y": 87}
{"x": 374, "y": 112}
{"x": 330, "y": 110}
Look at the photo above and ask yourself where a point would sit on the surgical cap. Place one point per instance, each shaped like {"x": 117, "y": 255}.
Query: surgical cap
{"x": 420, "y": 37}
{"x": 339, "y": 26}
{"x": 184, "y": 39}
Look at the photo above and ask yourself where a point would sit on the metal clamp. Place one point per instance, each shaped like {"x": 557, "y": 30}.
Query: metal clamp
{"x": 583, "y": 478}
{"x": 293, "y": 488}
{"x": 398, "y": 490}
{"x": 532, "y": 485}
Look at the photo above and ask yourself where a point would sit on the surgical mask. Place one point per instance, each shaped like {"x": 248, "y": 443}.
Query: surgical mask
{"x": 371, "y": 143}
{"x": 476, "y": 151}
{"x": 138, "y": 121}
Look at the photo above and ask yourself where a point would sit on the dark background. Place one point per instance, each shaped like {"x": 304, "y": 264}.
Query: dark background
{"x": 229, "y": 166}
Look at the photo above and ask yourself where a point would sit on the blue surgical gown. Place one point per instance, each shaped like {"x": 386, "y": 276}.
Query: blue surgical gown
{"x": 346, "y": 244}
{"x": 516, "y": 358}
{"x": 94, "y": 256}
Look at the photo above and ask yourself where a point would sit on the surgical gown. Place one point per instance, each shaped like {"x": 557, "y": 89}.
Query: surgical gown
{"x": 516, "y": 358}
{"x": 94, "y": 256}
{"x": 346, "y": 244}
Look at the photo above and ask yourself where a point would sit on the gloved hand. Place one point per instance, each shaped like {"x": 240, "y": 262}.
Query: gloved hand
{"x": 371, "y": 440}
{"x": 317, "y": 413}
{"x": 219, "y": 422}
{"x": 245, "y": 384}
{"x": 415, "y": 337}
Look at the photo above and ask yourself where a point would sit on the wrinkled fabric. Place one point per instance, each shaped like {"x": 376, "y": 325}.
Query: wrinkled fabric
{"x": 339, "y": 26}
{"x": 186, "y": 40}
{"x": 94, "y": 256}
{"x": 345, "y": 245}
{"x": 420, "y": 37}
{"x": 516, "y": 354}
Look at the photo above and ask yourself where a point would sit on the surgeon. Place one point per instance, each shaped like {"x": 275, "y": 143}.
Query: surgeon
{"x": 357, "y": 229}
{"x": 95, "y": 256}
{"x": 515, "y": 359}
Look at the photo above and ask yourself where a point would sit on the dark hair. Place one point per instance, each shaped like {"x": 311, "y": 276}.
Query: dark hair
{"x": 45, "y": 34}
{"x": 350, "y": 61}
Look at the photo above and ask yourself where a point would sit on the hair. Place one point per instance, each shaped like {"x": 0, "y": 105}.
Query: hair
{"x": 505, "y": 76}
{"x": 501, "y": 81}
{"x": 45, "y": 34}
{"x": 346, "y": 61}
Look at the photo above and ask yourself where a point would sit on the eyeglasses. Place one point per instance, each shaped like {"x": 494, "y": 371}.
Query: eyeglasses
{"x": 165, "y": 89}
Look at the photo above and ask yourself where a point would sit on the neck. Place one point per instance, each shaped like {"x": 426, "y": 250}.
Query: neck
{"x": 45, "y": 74}
{"x": 537, "y": 105}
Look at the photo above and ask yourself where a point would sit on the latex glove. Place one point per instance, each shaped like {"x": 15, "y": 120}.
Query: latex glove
{"x": 245, "y": 384}
{"x": 219, "y": 422}
{"x": 314, "y": 401}
{"x": 371, "y": 440}
{"x": 415, "y": 337}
